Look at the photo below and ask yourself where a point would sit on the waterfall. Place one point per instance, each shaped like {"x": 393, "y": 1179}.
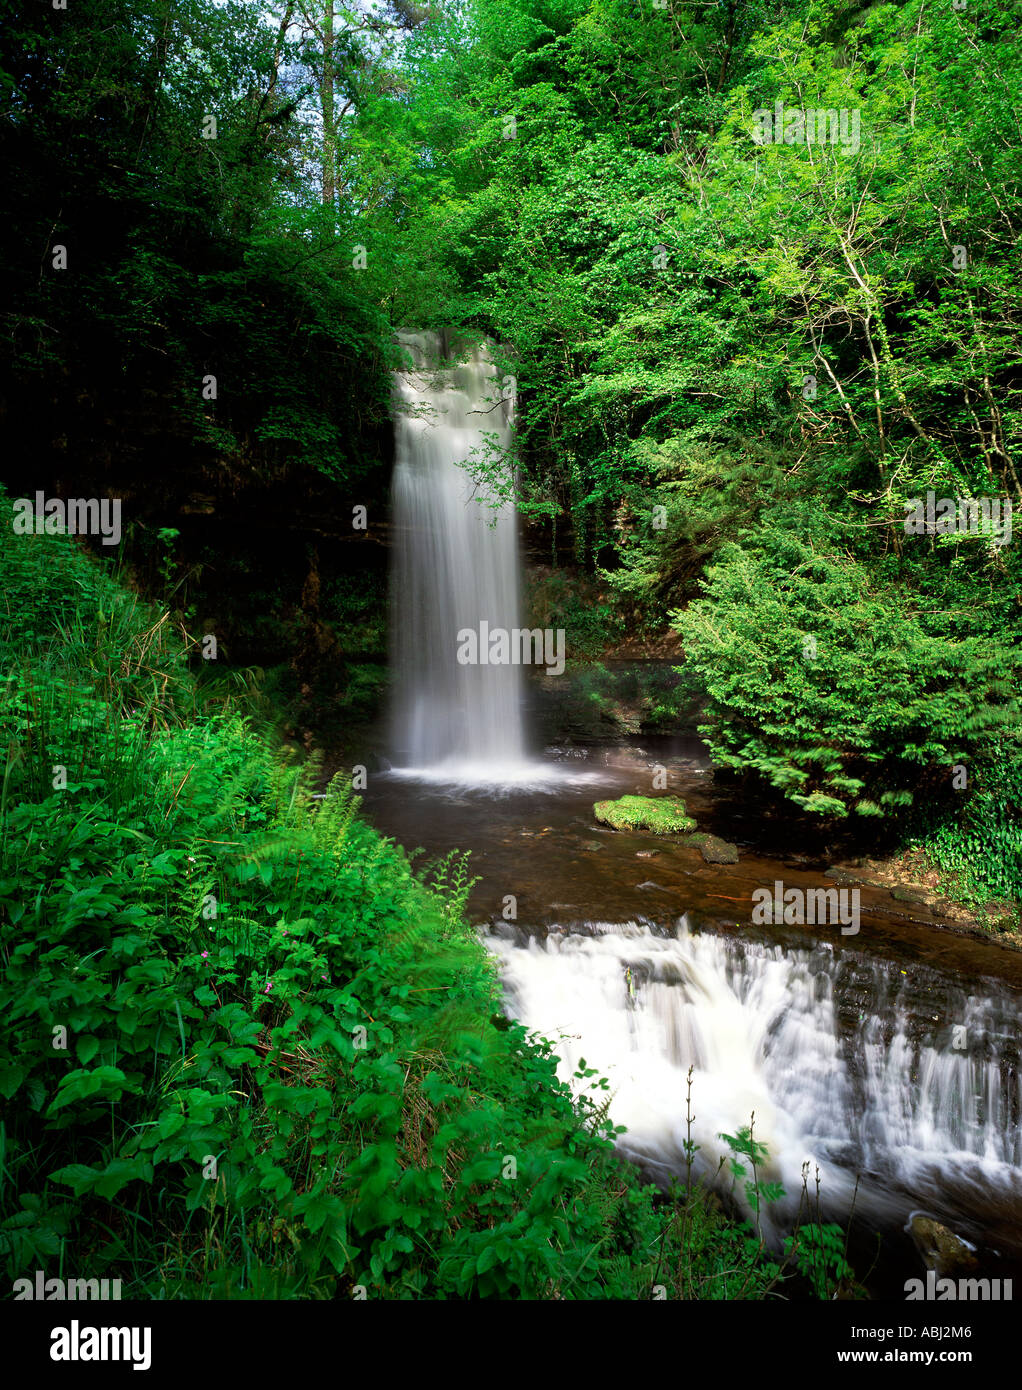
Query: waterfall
{"x": 456, "y": 567}
{"x": 844, "y": 1060}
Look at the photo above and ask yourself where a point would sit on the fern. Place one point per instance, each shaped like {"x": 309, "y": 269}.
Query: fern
{"x": 448, "y": 881}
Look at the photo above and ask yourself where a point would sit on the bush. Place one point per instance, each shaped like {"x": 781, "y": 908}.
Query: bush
{"x": 818, "y": 678}
{"x": 975, "y": 836}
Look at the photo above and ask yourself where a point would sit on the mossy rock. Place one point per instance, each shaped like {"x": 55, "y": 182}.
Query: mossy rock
{"x": 941, "y": 1250}
{"x": 917, "y": 896}
{"x": 713, "y": 849}
{"x": 661, "y": 815}
{"x": 843, "y": 877}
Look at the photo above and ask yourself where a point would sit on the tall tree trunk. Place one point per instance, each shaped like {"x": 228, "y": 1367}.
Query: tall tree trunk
{"x": 327, "y": 99}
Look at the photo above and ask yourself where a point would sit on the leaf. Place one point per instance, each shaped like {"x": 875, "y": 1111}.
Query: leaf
{"x": 105, "y": 1083}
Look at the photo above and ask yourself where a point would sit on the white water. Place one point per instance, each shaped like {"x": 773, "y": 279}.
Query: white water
{"x": 758, "y": 1024}
{"x": 456, "y": 564}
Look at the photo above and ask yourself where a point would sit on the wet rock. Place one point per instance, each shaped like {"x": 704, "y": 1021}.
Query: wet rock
{"x": 919, "y": 896}
{"x": 591, "y": 846}
{"x": 713, "y": 849}
{"x": 941, "y": 1250}
{"x": 647, "y": 854}
{"x": 842, "y": 877}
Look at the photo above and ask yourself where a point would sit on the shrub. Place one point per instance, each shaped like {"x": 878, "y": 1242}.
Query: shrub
{"x": 819, "y": 678}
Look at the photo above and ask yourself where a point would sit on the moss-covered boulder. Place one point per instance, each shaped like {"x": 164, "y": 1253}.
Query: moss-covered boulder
{"x": 660, "y": 815}
{"x": 844, "y": 878}
{"x": 941, "y": 1250}
{"x": 919, "y": 896}
{"x": 713, "y": 849}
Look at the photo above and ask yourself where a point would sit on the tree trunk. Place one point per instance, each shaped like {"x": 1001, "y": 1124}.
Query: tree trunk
{"x": 327, "y": 101}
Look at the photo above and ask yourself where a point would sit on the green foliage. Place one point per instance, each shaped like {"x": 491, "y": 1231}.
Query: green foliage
{"x": 817, "y": 1252}
{"x": 828, "y": 683}
{"x": 974, "y": 835}
{"x": 191, "y": 254}
{"x": 743, "y": 1145}
{"x": 585, "y": 611}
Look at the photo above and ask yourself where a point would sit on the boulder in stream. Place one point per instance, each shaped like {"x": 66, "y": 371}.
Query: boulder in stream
{"x": 713, "y": 849}
{"x": 660, "y": 815}
{"x": 843, "y": 877}
{"x": 941, "y": 1250}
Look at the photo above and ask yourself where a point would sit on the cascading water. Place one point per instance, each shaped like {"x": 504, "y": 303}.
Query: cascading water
{"x": 884, "y": 1094}
{"x": 456, "y": 566}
